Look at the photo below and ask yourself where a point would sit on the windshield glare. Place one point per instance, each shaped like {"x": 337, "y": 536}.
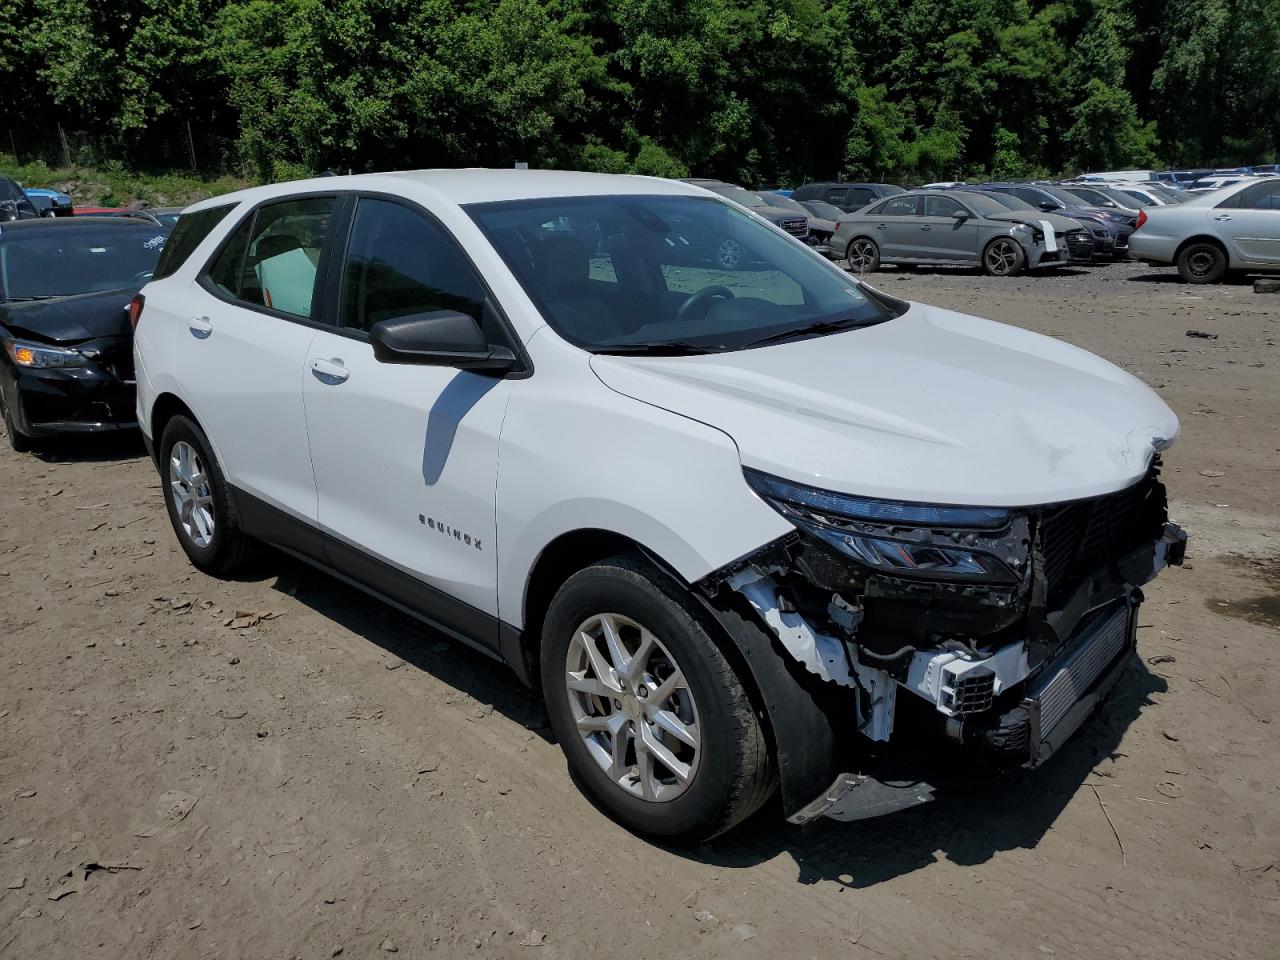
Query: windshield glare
{"x": 686, "y": 272}
{"x": 983, "y": 204}
{"x": 1009, "y": 200}
{"x": 55, "y": 262}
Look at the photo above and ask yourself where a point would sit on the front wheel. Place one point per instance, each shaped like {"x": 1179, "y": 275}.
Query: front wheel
{"x": 198, "y": 499}
{"x": 19, "y": 442}
{"x": 654, "y": 722}
{"x": 863, "y": 256}
{"x": 1202, "y": 263}
{"x": 1003, "y": 257}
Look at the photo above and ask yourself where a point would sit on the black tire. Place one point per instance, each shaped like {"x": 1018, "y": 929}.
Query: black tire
{"x": 1003, "y": 257}
{"x": 19, "y": 442}
{"x": 228, "y": 549}
{"x": 863, "y": 255}
{"x": 1202, "y": 262}
{"x": 734, "y": 773}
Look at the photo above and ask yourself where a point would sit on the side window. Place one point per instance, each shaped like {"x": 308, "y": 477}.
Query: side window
{"x": 837, "y": 196}
{"x": 226, "y": 269}
{"x": 942, "y": 207}
{"x": 899, "y": 207}
{"x": 859, "y": 197}
{"x": 284, "y": 253}
{"x": 1264, "y": 195}
{"x": 187, "y": 235}
{"x": 399, "y": 263}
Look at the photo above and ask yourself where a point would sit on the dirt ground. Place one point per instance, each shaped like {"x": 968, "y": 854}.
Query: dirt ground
{"x": 325, "y": 776}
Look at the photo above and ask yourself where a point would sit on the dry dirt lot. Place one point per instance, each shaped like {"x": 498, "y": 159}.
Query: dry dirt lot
{"x": 326, "y": 776}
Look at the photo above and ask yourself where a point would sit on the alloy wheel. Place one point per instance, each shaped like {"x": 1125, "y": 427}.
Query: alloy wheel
{"x": 192, "y": 496}
{"x": 632, "y": 707}
{"x": 862, "y": 256}
{"x": 1002, "y": 257}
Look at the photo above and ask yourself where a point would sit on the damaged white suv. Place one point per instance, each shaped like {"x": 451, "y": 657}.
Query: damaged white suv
{"x": 744, "y": 528}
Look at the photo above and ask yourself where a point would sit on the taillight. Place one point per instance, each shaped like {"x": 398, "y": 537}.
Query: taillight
{"x": 135, "y": 309}
{"x": 1142, "y": 218}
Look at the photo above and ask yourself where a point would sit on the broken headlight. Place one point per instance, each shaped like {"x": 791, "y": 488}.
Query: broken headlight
{"x": 910, "y": 539}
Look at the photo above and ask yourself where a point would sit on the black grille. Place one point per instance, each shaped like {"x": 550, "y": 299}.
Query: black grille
{"x": 795, "y": 227}
{"x": 1080, "y": 537}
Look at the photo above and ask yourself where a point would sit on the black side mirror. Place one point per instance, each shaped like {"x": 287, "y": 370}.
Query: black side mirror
{"x": 442, "y": 338}
{"x": 8, "y": 210}
{"x": 1048, "y": 205}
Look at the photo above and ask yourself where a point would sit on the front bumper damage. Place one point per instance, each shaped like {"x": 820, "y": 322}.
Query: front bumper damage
{"x": 1004, "y": 673}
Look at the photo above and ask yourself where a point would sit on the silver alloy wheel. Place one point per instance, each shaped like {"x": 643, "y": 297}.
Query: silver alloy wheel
{"x": 1202, "y": 262}
{"x": 1002, "y": 257}
{"x": 192, "y": 498}
{"x": 632, "y": 707}
{"x": 728, "y": 253}
{"x": 862, "y": 254}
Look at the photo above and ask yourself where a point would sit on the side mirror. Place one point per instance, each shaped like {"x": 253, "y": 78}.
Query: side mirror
{"x": 1049, "y": 205}
{"x": 961, "y": 215}
{"x": 442, "y": 338}
{"x": 8, "y": 210}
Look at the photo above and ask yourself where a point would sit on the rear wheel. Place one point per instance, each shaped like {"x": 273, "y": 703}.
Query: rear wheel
{"x": 1003, "y": 257}
{"x": 1202, "y": 262}
{"x": 18, "y": 441}
{"x": 199, "y": 502}
{"x": 654, "y": 722}
{"x": 863, "y": 256}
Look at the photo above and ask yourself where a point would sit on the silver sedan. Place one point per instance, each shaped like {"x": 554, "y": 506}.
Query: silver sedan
{"x": 940, "y": 227}
{"x": 1235, "y": 228}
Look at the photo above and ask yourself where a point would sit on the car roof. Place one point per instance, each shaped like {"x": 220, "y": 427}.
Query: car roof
{"x": 476, "y": 185}
{"x": 71, "y": 224}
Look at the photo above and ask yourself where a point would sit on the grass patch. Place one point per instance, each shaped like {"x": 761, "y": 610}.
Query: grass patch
{"x": 115, "y": 186}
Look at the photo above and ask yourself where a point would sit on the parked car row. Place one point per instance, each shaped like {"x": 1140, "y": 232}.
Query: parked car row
{"x": 731, "y": 552}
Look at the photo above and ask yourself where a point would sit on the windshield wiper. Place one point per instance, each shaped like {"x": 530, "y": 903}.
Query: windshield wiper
{"x": 660, "y": 348}
{"x": 51, "y": 296}
{"x": 818, "y": 326}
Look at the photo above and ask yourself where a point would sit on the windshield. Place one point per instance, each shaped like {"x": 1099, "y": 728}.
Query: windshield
{"x": 1009, "y": 201}
{"x": 50, "y": 261}
{"x": 169, "y": 220}
{"x": 666, "y": 273}
{"x": 820, "y": 208}
{"x": 784, "y": 203}
{"x": 739, "y": 195}
{"x": 1063, "y": 197}
{"x": 983, "y": 204}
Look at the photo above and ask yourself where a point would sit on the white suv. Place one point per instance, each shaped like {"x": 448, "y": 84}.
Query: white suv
{"x": 738, "y": 525}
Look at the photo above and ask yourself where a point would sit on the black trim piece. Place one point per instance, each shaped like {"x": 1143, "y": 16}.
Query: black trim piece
{"x": 374, "y": 576}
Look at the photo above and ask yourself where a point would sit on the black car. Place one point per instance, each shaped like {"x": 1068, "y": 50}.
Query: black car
{"x": 847, "y": 196}
{"x": 1111, "y": 228}
{"x": 65, "y": 292}
{"x": 14, "y": 202}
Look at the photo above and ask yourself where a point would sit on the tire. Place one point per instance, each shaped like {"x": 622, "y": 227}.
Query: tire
{"x": 1202, "y": 262}
{"x": 1003, "y": 257}
{"x": 730, "y": 773}
{"x": 210, "y": 534}
{"x": 863, "y": 255}
{"x": 19, "y": 442}
{"x": 729, "y": 253}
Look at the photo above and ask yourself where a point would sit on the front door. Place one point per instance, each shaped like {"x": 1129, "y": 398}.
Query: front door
{"x": 1253, "y": 228}
{"x": 406, "y": 455}
{"x": 944, "y": 236}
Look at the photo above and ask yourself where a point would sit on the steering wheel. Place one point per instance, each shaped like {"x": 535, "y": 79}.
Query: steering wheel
{"x": 705, "y": 296}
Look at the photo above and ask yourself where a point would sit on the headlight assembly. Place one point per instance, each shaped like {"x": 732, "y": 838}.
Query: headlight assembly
{"x": 35, "y": 356}
{"x": 911, "y": 539}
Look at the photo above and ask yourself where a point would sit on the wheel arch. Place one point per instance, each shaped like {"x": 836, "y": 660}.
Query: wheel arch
{"x": 165, "y": 407}
{"x": 1202, "y": 238}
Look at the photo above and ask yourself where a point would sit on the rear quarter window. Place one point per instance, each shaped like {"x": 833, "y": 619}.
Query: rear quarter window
{"x": 189, "y": 232}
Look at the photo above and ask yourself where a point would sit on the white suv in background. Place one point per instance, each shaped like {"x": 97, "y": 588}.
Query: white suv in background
{"x": 740, "y": 526}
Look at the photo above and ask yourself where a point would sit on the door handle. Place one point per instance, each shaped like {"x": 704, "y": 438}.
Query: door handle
{"x": 881, "y": 226}
{"x": 330, "y": 372}
{"x": 1224, "y": 217}
{"x": 200, "y": 327}
{"x": 926, "y": 228}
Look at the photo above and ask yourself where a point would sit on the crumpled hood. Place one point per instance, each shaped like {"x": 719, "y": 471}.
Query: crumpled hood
{"x": 86, "y": 316}
{"x": 934, "y": 406}
{"x": 1032, "y": 218}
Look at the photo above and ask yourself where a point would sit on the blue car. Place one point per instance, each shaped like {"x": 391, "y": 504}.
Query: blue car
{"x": 50, "y": 202}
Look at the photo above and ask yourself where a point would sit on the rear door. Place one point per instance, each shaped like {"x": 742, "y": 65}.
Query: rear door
{"x": 896, "y": 229}
{"x": 1253, "y": 227}
{"x": 243, "y": 348}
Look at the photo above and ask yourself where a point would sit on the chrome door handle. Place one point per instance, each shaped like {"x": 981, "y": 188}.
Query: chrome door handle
{"x": 1224, "y": 217}
{"x": 330, "y": 372}
{"x": 926, "y": 228}
{"x": 881, "y": 226}
{"x": 200, "y": 327}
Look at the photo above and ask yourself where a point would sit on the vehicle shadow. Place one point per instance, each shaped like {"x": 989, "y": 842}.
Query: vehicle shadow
{"x": 968, "y": 823}
{"x": 1077, "y": 270}
{"x": 420, "y": 646}
{"x": 90, "y": 448}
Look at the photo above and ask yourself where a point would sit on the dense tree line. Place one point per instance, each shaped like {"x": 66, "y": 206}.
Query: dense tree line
{"x": 754, "y": 90}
